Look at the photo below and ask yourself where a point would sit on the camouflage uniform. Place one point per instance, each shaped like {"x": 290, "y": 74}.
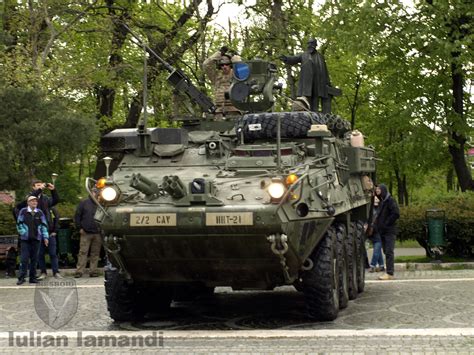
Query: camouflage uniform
{"x": 221, "y": 83}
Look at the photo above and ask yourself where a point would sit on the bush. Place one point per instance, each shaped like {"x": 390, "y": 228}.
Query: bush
{"x": 7, "y": 221}
{"x": 459, "y": 211}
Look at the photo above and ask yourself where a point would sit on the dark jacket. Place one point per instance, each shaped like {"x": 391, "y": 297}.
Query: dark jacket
{"x": 54, "y": 226}
{"x": 314, "y": 77}
{"x": 31, "y": 225}
{"x": 388, "y": 213}
{"x": 84, "y": 217}
{"x": 44, "y": 203}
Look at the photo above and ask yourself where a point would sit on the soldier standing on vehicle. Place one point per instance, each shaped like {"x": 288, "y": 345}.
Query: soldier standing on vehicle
{"x": 387, "y": 215}
{"x": 314, "y": 83}
{"x": 90, "y": 237}
{"x": 218, "y": 68}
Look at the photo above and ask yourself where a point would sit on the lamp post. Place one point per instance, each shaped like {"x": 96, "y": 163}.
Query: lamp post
{"x": 107, "y": 161}
{"x": 54, "y": 176}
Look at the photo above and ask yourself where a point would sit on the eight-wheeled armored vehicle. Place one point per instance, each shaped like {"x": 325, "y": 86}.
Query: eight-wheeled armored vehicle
{"x": 273, "y": 198}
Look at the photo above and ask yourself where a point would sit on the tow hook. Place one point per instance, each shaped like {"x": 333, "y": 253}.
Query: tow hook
{"x": 279, "y": 246}
{"x": 112, "y": 246}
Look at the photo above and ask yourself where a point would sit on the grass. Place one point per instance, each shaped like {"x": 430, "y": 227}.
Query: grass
{"x": 410, "y": 243}
{"x": 424, "y": 259}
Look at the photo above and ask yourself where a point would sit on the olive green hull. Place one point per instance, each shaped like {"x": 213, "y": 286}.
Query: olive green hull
{"x": 237, "y": 256}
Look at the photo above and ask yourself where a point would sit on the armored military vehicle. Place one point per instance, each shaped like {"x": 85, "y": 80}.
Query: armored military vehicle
{"x": 275, "y": 198}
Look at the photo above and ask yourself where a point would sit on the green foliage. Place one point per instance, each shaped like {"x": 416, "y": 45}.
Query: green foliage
{"x": 7, "y": 221}
{"x": 39, "y": 136}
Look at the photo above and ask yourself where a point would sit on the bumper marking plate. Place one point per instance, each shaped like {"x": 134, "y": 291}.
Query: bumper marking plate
{"x": 229, "y": 219}
{"x": 152, "y": 219}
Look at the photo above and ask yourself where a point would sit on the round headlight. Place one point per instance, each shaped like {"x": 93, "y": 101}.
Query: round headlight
{"x": 109, "y": 194}
{"x": 276, "y": 190}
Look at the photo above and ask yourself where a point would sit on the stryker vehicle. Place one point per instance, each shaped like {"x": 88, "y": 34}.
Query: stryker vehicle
{"x": 275, "y": 198}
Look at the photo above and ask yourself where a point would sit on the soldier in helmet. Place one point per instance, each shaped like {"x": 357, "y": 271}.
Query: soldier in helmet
{"x": 218, "y": 68}
{"x": 314, "y": 80}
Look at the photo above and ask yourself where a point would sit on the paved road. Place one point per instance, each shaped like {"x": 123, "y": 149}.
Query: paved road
{"x": 421, "y": 311}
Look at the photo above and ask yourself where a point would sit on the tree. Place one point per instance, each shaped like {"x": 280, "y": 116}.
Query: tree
{"x": 37, "y": 135}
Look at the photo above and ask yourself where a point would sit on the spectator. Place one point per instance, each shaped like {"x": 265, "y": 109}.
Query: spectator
{"x": 51, "y": 248}
{"x": 377, "y": 263}
{"x": 32, "y": 228}
{"x": 44, "y": 202}
{"x": 90, "y": 237}
{"x": 388, "y": 213}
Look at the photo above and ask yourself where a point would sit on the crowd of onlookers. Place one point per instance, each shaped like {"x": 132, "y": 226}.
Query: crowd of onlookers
{"x": 37, "y": 221}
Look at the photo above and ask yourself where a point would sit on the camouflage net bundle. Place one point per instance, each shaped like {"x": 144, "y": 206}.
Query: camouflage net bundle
{"x": 293, "y": 124}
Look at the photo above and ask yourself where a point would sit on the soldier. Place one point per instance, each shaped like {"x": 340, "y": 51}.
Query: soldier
{"x": 218, "y": 68}
{"x": 314, "y": 80}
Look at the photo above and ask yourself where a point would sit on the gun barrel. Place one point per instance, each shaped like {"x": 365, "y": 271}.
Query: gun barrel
{"x": 178, "y": 79}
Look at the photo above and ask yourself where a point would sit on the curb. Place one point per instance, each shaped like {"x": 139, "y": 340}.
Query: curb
{"x": 433, "y": 266}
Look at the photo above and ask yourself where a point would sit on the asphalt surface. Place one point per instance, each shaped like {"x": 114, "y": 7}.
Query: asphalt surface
{"x": 420, "y": 312}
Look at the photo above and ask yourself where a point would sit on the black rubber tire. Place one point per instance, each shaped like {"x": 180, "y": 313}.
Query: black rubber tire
{"x": 351, "y": 251}
{"x": 293, "y": 124}
{"x": 361, "y": 255}
{"x": 341, "y": 235}
{"x": 321, "y": 283}
{"x": 126, "y": 302}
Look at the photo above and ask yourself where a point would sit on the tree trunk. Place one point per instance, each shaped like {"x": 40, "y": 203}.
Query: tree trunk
{"x": 400, "y": 188}
{"x": 457, "y": 139}
{"x": 405, "y": 189}
{"x": 450, "y": 179}
{"x": 106, "y": 94}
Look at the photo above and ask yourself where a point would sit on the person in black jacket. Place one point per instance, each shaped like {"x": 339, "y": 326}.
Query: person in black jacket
{"x": 44, "y": 202}
{"x": 388, "y": 213}
{"x": 90, "y": 237}
{"x": 51, "y": 249}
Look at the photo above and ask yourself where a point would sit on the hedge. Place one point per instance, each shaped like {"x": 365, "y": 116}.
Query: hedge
{"x": 459, "y": 211}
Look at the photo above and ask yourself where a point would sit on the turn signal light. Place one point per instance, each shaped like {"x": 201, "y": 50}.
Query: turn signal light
{"x": 291, "y": 179}
{"x": 100, "y": 184}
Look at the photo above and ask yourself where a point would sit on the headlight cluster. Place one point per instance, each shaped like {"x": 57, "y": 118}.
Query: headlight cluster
{"x": 108, "y": 192}
{"x": 276, "y": 189}
{"x": 279, "y": 186}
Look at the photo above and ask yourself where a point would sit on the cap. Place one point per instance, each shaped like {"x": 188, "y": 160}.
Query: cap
{"x": 36, "y": 181}
{"x": 31, "y": 198}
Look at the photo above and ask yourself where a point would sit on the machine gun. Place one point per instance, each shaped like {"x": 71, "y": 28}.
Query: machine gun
{"x": 179, "y": 80}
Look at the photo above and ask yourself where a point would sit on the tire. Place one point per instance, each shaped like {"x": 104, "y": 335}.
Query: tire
{"x": 351, "y": 252}
{"x": 343, "y": 276}
{"x": 321, "y": 283}
{"x": 361, "y": 255}
{"x": 293, "y": 124}
{"x": 126, "y": 302}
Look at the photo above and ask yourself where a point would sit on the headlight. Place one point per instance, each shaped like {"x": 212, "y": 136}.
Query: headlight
{"x": 108, "y": 194}
{"x": 276, "y": 190}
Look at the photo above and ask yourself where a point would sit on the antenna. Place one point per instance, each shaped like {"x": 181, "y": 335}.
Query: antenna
{"x": 143, "y": 135}
{"x": 143, "y": 120}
